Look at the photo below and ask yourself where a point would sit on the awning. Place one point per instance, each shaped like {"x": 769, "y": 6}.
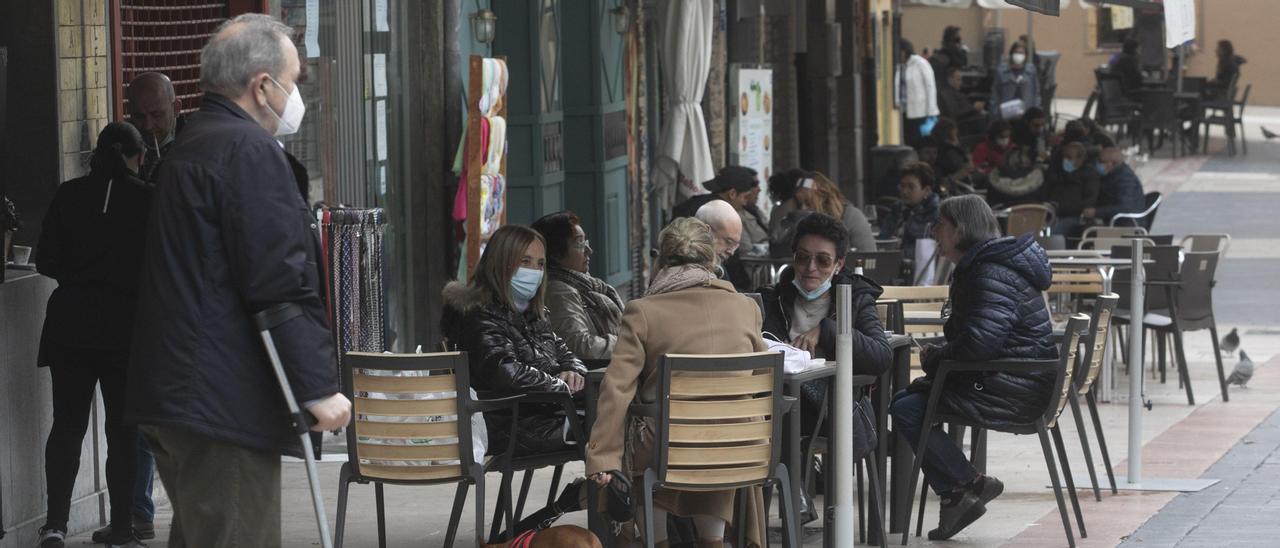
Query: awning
{"x": 1128, "y": 3}
{"x": 1047, "y": 7}
{"x": 963, "y": 4}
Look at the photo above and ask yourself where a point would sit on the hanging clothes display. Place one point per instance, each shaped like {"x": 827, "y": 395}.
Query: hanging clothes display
{"x": 356, "y": 299}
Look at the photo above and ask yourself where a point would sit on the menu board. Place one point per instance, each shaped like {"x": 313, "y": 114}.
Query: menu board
{"x": 751, "y": 131}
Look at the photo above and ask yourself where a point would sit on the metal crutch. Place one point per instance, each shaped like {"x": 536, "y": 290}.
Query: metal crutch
{"x": 266, "y": 320}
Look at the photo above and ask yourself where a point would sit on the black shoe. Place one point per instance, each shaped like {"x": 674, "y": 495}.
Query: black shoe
{"x": 987, "y": 488}
{"x": 142, "y": 530}
{"x": 52, "y": 538}
{"x": 958, "y": 511}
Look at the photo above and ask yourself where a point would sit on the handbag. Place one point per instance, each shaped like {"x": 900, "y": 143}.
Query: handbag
{"x": 864, "y": 429}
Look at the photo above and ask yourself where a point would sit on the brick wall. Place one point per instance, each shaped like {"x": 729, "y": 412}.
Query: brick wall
{"x": 83, "y": 79}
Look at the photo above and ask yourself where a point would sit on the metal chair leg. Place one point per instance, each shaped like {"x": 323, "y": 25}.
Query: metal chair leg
{"x": 1071, "y": 482}
{"x": 524, "y": 494}
{"x": 789, "y": 526}
{"x": 504, "y": 500}
{"x": 382, "y": 515}
{"x": 1181, "y": 358}
{"x": 647, "y": 499}
{"x": 555, "y": 484}
{"x": 924, "y": 496}
{"x": 1102, "y": 439}
{"x": 1084, "y": 443}
{"x": 1217, "y": 355}
{"x": 344, "y": 485}
{"x": 479, "y": 510}
{"x": 1057, "y": 487}
{"x": 455, "y": 515}
{"x": 1161, "y": 350}
{"x": 917, "y": 462}
{"x": 877, "y": 494}
{"x": 862, "y": 508}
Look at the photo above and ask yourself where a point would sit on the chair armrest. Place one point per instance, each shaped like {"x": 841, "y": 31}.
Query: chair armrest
{"x": 1002, "y": 365}
{"x": 495, "y": 404}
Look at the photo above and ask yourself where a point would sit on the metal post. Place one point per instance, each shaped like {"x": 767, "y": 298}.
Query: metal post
{"x": 843, "y": 512}
{"x": 1136, "y": 296}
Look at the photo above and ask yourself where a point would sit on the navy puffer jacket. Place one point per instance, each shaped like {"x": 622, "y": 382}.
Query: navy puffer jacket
{"x": 997, "y": 311}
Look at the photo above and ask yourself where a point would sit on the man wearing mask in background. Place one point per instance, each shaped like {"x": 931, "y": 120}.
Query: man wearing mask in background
{"x": 1072, "y": 186}
{"x": 231, "y": 236}
{"x": 1119, "y": 192}
{"x": 153, "y": 109}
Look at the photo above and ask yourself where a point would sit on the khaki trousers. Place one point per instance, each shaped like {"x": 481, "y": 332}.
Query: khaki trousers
{"x": 223, "y": 495}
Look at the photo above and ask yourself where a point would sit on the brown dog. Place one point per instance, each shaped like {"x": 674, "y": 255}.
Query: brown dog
{"x": 560, "y": 536}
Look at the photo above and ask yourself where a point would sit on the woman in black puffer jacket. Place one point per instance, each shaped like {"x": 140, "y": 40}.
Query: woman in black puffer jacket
{"x": 997, "y": 311}
{"x": 500, "y": 320}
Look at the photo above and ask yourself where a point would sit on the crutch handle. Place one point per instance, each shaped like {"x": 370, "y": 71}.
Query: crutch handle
{"x": 276, "y": 315}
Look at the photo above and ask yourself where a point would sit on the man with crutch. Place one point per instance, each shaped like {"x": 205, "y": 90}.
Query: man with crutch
{"x": 231, "y": 236}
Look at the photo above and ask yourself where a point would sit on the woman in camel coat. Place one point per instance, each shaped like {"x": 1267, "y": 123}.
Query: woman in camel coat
{"x": 686, "y": 310}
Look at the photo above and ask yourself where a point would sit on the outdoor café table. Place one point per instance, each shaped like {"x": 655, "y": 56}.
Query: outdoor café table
{"x": 775, "y": 265}
{"x": 1106, "y": 269}
{"x": 1078, "y": 253}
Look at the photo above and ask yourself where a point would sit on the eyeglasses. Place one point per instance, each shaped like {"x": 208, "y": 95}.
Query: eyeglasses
{"x": 823, "y": 261}
{"x": 580, "y": 245}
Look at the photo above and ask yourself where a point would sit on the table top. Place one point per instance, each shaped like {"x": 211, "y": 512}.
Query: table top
{"x": 765, "y": 260}
{"x": 1081, "y": 253}
{"x": 1092, "y": 261}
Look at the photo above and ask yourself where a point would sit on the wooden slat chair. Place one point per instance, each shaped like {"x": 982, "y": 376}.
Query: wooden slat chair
{"x": 719, "y": 427}
{"x": 918, "y": 303}
{"x": 1062, "y": 369}
{"x": 1032, "y": 219}
{"x": 1094, "y": 341}
{"x": 397, "y": 437}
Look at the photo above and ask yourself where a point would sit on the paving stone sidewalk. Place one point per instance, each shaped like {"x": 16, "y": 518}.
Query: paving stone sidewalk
{"x": 1241, "y": 510}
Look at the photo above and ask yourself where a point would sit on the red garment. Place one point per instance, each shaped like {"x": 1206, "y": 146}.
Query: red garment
{"x": 988, "y": 156}
{"x": 523, "y": 540}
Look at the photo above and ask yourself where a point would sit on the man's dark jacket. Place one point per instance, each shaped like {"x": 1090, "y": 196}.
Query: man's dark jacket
{"x": 997, "y": 311}
{"x": 230, "y": 235}
{"x": 1120, "y": 192}
{"x": 1072, "y": 192}
{"x": 871, "y": 353}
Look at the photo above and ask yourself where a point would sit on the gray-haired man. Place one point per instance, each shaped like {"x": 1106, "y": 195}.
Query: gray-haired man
{"x": 230, "y": 236}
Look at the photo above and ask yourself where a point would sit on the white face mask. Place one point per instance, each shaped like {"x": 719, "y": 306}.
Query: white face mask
{"x": 291, "y": 120}
{"x": 1019, "y": 58}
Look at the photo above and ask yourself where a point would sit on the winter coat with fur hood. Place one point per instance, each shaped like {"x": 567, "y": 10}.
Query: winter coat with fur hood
{"x": 510, "y": 353}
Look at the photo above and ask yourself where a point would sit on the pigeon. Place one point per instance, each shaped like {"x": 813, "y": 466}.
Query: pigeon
{"x": 1230, "y": 342}
{"x": 1242, "y": 372}
{"x": 1268, "y": 134}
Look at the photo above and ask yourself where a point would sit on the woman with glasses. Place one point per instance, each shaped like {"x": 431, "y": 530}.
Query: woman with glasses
{"x": 996, "y": 311}
{"x": 584, "y": 310}
{"x": 499, "y": 318}
{"x": 801, "y": 309}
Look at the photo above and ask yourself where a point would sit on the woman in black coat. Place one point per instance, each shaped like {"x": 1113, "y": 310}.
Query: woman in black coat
{"x": 499, "y": 318}
{"x": 996, "y": 311}
{"x": 91, "y": 243}
{"x": 801, "y": 310}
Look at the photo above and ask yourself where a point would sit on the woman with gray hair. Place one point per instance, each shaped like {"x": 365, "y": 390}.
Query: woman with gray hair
{"x": 996, "y": 311}
{"x": 686, "y": 310}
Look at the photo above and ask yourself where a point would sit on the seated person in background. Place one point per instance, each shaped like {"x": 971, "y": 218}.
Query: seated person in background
{"x": 726, "y": 224}
{"x": 989, "y": 154}
{"x": 801, "y": 309}
{"x": 1071, "y": 186}
{"x": 997, "y": 311}
{"x": 954, "y": 104}
{"x": 786, "y": 212}
{"x": 1127, "y": 67}
{"x": 819, "y": 194}
{"x": 499, "y": 318}
{"x": 584, "y": 310}
{"x": 1227, "y": 73}
{"x": 1019, "y": 180}
{"x": 952, "y": 165}
{"x": 733, "y": 184}
{"x": 957, "y": 54}
{"x": 919, "y": 208}
{"x": 1031, "y": 132}
{"x": 686, "y": 310}
{"x": 1120, "y": 190}
{"x": 755, "y": 226}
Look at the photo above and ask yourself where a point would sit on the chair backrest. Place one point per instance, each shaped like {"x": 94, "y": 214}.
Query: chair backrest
{"x": 1207, "y": 242}
{"x": 756, "y": 298}
{"x": 883, "y": 267}
{"x": 1089, "y": 104}
{"x": 1028, "y": 219}
{"x": 405, "y": 417}
{"x": 891, "y": 316}
{"x": 887, "y": 244}
{"x": 1160, "y": 239}
{"x": 1066, "y": 360}
{"x": 719, "y": 420}
{"x": 917, "y": 301}
{"x": 1095, "y": 341}
{"x": 1163, "y": 269}
{"x": 1195, "y": 287}
{"x": 1075, "y": 281}
{"x": 1151, "y": 203}
{"x": 1104, "y": 237}
{"x": 1243, "y": 102}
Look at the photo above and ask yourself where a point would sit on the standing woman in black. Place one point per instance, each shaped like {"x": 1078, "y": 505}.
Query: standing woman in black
{"x": 92, "y": 243}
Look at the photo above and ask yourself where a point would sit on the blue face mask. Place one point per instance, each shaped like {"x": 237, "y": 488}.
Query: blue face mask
{"x": 1068, "y": 165}
{"x": 812, "y": 295}
{"x": 524, "y": 285}
{"x": 1102, "y": 169}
